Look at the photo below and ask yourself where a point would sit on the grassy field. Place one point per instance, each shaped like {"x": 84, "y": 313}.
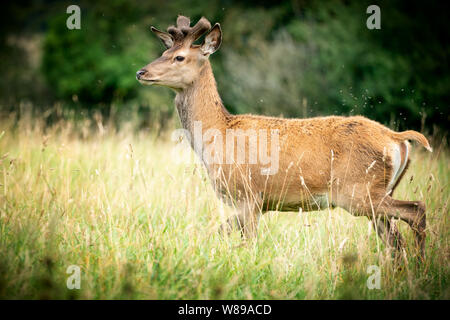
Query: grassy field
{"x": 142, "y": 225}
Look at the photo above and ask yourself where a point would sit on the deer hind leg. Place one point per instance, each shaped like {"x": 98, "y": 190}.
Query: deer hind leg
{"x": 413, "y": 213}
{"x": 386, "y": 230}
{"x": 389, "y": 234}
{"x": 384, "y": 207}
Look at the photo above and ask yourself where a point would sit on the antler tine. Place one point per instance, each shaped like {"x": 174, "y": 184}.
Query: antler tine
{"x": 183, "y": 22}
{"x": 200, "y": 28}
{"x": 183, "y": 30}
{"x": 176, "y": 33}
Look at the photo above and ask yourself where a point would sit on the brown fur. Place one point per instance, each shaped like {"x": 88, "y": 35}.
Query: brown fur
{"x": 323, "y": 161}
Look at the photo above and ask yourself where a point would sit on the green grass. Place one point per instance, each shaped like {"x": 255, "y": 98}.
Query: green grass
{"x": 142, "y": 226}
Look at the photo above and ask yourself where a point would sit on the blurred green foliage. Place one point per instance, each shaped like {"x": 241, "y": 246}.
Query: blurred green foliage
{"x": 96, "y": 63}
{"x": 291, "y": 58}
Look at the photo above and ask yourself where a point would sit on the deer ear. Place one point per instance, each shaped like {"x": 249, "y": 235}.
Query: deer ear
{"x": 166, "y": 38}
{"x": 212, "y": 40}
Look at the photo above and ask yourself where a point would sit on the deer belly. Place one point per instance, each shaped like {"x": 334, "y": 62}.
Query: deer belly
{"x": 294, "y": 203}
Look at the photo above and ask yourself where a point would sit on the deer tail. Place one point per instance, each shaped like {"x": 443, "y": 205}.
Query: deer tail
{"x": 413, "y": 135}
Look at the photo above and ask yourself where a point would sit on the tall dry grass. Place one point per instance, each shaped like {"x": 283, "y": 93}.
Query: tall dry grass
{"x": 141, "y": 225}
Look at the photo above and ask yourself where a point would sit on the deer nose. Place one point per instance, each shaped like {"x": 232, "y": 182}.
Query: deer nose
{"x": 140, "y": 73}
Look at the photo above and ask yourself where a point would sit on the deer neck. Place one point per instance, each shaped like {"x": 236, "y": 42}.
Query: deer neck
{"x": 200, "y": 103}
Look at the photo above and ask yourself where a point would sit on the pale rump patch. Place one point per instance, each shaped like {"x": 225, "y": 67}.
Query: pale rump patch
{"x": 405, "y": 156}
{"x": 399, "y": 155}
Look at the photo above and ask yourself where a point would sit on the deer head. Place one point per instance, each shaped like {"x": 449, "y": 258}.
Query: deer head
{"x": 180, "y": 65}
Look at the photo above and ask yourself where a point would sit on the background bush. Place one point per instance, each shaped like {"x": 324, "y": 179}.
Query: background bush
{"x": 292, "y": 58}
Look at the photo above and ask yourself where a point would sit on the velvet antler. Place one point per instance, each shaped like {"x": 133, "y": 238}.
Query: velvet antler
{"x": 183, "y": 32}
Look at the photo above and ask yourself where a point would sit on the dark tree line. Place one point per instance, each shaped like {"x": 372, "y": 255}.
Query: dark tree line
{"x": 291, "y": 58}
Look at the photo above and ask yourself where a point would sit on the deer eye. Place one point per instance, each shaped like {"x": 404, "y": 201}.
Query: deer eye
{"x": 179, "y": 58}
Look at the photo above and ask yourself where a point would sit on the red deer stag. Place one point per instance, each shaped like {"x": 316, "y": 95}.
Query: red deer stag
{"x": 349, "y": 162}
